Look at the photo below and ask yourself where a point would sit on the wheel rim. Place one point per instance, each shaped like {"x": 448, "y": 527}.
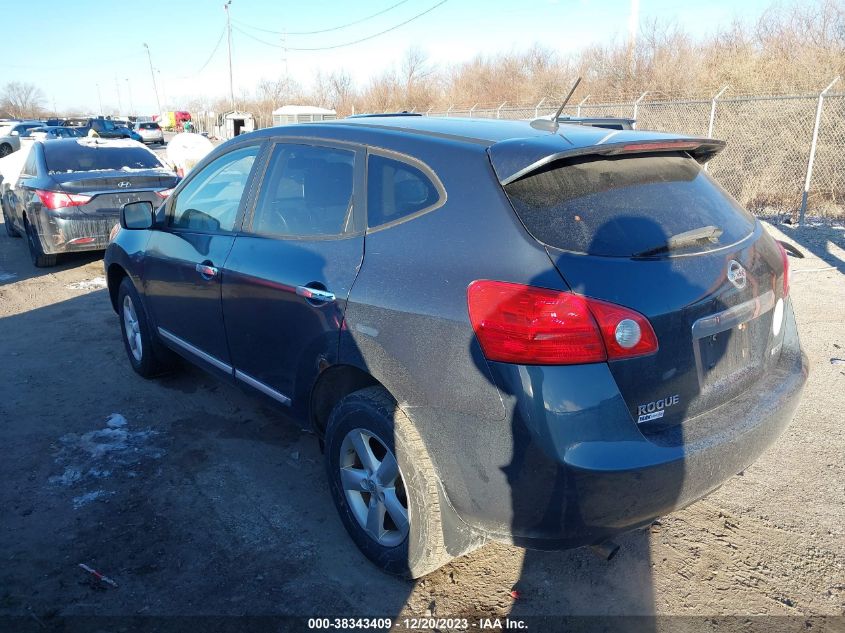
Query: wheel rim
{"x": 132, "y": 329}
{"x": 30, "y": 238}
{"x": 373, "y": 486}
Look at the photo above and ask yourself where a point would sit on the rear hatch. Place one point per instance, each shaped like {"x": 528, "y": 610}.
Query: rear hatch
{"x": 650, "y": 230}
{"x": 112, "y": 173}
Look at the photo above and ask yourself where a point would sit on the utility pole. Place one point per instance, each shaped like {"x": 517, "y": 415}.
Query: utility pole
{"x": 229, "y": 31}
{"x": 152, "y": 73}
{"x": 129, "y": 89}
{"x": 100, "y": 100}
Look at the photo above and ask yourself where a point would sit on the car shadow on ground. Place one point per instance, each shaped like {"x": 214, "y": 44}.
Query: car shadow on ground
{"x": 818, "y": 238}
{"x": 193, "y": 496}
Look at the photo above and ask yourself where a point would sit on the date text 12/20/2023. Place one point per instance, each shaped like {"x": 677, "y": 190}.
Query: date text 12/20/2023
{"x": 414, "y": 624}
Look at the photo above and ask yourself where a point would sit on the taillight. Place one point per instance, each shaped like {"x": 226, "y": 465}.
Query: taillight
{"x": 537, "y": 326}
{"x": 785, "y": 258}
{"x": 165, "y": 193}
{"x": 626, "y": 333}
{"x": 59, "y": 199}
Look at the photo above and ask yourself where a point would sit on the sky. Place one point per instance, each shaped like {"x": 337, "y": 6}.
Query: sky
{"x": 93, "y": 51}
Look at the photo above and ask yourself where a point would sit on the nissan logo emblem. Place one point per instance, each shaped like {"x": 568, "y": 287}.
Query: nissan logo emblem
{"x": 736, "y": 274}
{"x": 124, "y": 184}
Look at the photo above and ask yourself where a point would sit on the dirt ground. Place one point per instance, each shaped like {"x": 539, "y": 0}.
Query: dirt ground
{"x": 196, "y": 498}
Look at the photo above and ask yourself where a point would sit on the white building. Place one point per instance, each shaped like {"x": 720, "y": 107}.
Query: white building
{"x": 234, "y": 123}
{"x": 301, "y": 114}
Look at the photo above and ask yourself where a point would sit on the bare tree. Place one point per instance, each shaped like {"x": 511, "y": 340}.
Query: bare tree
{"x": 22, "y": 99}
{"x": 794, "y": 47}
{"x": 342, "y": 91}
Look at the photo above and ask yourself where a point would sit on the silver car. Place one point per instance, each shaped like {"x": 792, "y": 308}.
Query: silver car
{"x": 10, "y": 135}
{"x": 150, "y": 132}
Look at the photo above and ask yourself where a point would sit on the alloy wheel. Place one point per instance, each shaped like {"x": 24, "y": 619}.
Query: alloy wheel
{"x": 132, "y": 329}
{"x": 374, "y": 488}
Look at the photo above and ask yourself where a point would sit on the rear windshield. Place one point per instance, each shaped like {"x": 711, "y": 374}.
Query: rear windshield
{"x": 75, "y": 156}
{"x": 148, "y": 126}
{"x": 628, "y": 205}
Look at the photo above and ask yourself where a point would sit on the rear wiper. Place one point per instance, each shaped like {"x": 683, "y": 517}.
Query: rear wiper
{"x": 709, "y": 232}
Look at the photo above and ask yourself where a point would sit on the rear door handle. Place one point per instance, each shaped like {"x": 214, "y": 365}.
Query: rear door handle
{"x": 206, "y": 271}
{"x": 315, "y": 294}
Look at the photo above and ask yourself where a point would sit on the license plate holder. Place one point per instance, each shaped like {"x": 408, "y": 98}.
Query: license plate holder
{"x": 723, "y": 343}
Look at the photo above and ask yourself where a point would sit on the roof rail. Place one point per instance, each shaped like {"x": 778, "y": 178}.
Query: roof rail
{"x": 382, "y": 114}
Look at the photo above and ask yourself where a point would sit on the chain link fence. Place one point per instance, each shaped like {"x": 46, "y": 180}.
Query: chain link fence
{"x": 770, "y": 142}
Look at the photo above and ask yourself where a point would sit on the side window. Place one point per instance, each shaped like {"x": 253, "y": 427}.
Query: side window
{"x": 307, "y": 191}
{"x": 395, "y": 190}
{"x": 30, "y": 167}
{"x": 210, "y": 201}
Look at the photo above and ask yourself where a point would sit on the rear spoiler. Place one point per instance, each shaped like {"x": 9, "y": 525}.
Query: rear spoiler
{"x": 516, "y": 158}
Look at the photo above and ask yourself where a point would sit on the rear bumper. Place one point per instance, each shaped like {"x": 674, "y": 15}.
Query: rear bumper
{"x": 576, "y": 469}
{"x": 75, "y": 232}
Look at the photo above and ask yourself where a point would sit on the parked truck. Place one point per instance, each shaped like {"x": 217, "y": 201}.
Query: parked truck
{"x": 174, "y": 120}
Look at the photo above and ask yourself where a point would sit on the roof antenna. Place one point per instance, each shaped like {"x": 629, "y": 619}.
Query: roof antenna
{"x": 552, "y": 125}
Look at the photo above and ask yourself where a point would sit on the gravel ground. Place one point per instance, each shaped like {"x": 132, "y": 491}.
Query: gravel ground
{"x": 197, "y": 499}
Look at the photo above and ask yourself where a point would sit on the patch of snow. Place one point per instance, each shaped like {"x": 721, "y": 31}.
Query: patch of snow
{"x": 115, "y": 421}
{"x": 89, "y": 284}
{"x": 103, "y": 454}
{"x": 69, "y": 476}
{"x": 88, "y": 497}
{"x": 96, "y": 141}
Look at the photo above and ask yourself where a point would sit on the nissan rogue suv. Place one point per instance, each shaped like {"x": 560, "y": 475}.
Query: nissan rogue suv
{"x": 498, "y": 332}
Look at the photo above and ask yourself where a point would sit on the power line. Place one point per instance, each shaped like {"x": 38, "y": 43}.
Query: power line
{"x": 213, "y": 52}
{"x": 358, "y": 41}
{"x": 334, "y": 28}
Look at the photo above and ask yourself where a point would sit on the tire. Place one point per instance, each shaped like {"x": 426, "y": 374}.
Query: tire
{"x": 10, "y": 230}
{"x": 36, "y": 252}
{"x": 146, "y": 355}
{"x": 369, "y": 422}
{"x": 5, "y": 150}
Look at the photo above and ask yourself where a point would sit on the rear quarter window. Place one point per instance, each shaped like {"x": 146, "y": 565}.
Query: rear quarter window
{"x": 626, "y": 205}
{"x": 396, "y": 190}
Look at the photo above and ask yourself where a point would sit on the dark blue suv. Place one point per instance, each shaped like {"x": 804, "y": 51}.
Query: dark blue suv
{"x": 497, "y": 332}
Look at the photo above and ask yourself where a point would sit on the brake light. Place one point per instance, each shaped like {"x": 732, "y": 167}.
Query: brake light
{"x": 165, "y": 193}
{"x": 660, "y": 146}
{"x": 60, "y": 200}
{"x": 536, "y": 326}
{"x": 785, "y": 258}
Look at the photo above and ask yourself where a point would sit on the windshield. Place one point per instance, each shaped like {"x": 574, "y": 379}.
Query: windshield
{"x": 628, "y": 206}
{"x": 75, "y": 156}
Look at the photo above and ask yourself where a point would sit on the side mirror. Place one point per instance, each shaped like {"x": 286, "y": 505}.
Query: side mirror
{"x": 136, "y": 215}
